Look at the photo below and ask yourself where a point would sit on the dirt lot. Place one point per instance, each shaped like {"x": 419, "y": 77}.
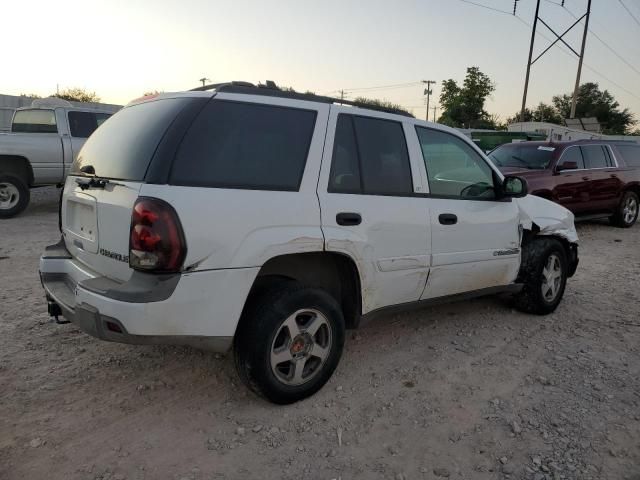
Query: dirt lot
{"x": 472, "y": 390}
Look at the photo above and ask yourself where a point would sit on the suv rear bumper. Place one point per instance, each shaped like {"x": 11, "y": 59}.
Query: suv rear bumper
{"x": 200, "y": 309}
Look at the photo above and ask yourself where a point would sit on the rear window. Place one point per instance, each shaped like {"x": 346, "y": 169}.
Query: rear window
{"x": 34, "y": 121}
{"x": 123, "y": 146}
{"x": 83, "y": 124}
{"x": 630, "y": 154}
{"x": 533, "y": 157}
{"x": 245, "y": 145}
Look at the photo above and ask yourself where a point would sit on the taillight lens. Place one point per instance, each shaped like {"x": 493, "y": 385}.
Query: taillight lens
{"x": 156, "y": 240}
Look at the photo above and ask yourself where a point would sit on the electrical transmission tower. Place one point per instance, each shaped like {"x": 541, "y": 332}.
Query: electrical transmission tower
{"x": 559, "y": 38}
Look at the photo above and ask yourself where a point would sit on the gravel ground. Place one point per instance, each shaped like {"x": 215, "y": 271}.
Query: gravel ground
{"x": 472, "y": 390}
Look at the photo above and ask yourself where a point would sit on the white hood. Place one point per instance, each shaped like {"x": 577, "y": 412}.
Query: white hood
{"x": 551, "y": 218}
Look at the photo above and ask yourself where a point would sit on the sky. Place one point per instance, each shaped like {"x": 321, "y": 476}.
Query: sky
{"x": 121, "y": 49}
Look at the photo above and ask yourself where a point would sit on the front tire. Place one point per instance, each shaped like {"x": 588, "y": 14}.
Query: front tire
{"x": 627, "y": 212}
{"x": 14, "y": 196}
{"x": 543, "y": 272}
{"x": 289, "y": 341}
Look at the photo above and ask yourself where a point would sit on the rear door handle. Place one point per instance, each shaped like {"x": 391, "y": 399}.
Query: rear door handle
{"x": 348, "y": 219}
{"x": 448, "y": 219}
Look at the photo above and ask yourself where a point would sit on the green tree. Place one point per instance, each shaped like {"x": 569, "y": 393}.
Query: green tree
{"x": 30, "y": 95}
{"x": 77, "y": 95}
{"x": 593, "y": 102}
{"x": 375, "y": 103}
{"x": 542, "y": 113}
{"x": 463, "y": 106}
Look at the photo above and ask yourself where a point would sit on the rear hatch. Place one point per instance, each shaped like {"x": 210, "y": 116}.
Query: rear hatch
{"x": 104, "y": 182}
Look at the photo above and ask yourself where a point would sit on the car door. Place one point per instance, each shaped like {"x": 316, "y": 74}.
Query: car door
{"x": 369, "y": 208}
{"x": 475, "y": 237}
{"x": 605, "y": 187}
{"x": 571, "y": 185}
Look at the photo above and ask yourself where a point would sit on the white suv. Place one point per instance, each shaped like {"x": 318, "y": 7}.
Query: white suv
{"x": 270, "y": 221}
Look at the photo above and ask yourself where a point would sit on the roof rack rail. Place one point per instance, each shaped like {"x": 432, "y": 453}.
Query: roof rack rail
{"x": 270, "y": 89}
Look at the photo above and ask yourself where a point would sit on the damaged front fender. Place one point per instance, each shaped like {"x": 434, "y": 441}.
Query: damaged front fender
{"x": 547, "y": 218}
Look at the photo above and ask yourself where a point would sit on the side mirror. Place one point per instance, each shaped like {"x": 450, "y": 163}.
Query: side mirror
{"x": 567, "y": 166}
{"x": 514, "y": 187}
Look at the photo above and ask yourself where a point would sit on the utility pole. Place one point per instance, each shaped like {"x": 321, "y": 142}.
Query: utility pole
{"x": 526, "y": 78}
{"x": 435, "y": 118}
{"x": 204, "y": 80}
{"x": 428, "y": 92}
{"x": 584, "y": 42}
{"x": 341, "y": 95}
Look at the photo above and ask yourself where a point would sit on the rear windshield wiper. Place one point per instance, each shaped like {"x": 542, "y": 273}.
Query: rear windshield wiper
{"x": 94, "y": 182}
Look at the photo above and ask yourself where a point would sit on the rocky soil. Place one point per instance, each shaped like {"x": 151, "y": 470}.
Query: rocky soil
{"x": 473, "y": 390}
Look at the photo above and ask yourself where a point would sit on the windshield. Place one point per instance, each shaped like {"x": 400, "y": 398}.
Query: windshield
{"x": 533, "y": 157}
{"x": 122, "y": 147}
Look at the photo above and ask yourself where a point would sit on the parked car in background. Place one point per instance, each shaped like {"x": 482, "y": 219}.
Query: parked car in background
{"x": 592, "y": 178}
{"x": 44, "y": 141}
{"x": 271, "y": 221}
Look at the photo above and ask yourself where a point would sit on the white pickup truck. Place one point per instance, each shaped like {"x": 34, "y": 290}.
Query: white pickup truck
{"x": 43, "y": 143}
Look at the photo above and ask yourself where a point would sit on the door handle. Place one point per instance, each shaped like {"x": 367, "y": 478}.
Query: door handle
{"x": 448, "y": 219}
{"x": 348, "y": 219}
{"x": 586, "y": 179}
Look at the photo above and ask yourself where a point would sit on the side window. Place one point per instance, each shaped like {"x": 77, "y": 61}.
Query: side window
{"x": 245, "y": 145}
{"x": 370, "y": 157}
{"x": 34, "y": 121}
{"x": 454, "y": 169}
{"x": 630, "y": 154}
{"x": 572, "y": 154}
{"x": 82, "y": 124}
{"x": 594, "y": 156}
{"x": 102, "y": 117}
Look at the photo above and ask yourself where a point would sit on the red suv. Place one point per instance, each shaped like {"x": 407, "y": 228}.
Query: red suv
{"x": 592, "y": 178}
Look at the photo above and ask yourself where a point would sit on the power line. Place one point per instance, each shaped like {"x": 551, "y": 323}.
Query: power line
{"x": 609, "y": 47}
{"x": 486, "y": 6}
{"x": 629, "y": 11}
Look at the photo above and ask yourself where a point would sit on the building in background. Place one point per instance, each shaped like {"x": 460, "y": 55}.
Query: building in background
{"x": 558, "y": 133}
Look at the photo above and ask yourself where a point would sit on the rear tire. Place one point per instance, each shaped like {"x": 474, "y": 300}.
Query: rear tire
{"x": 14, "y": 196}
{"x": 543, "y": 272}
{"x": 627, "y": 212}
{"x": 289, "y": 341}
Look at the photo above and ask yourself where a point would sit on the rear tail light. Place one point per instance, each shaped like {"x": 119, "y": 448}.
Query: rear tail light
{"x": 156, "y": 240}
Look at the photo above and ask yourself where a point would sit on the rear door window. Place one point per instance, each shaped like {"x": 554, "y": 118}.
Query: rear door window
{"x": 594, "y": 156}
{"x": 122, "y": 147}
{"x": 370, "y": 157}
{"x": 572, "y": 154}
{"x": 83, "y": 124}
{"x": 34, "y": 121}
{"x": 245, "y": 145}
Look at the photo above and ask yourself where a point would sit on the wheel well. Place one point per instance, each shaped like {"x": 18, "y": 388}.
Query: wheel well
{"x": 332, "y": 272}
{"x": 17, "y": 166}
{"x": 634, "y": 188}
{"x": 570, "y": 249}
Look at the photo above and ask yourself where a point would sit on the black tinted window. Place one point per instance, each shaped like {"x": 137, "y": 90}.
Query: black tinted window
{"x": 370, "y": 156}
{"x": 345, "y": 168}
{"x": 594, "y": 156}
{"x": 572, "y": 154}
{"x": 83, "y": 124}
{"x": 630, "y": 154}
{"x": 122, "y": 147}
{"x": 245, "y": 145}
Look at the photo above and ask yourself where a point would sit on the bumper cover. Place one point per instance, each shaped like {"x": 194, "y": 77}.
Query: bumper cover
{"x": 199, "y": 309}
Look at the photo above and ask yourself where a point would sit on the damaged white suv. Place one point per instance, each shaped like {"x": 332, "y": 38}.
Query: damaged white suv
{"x": 272, "y": 221}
